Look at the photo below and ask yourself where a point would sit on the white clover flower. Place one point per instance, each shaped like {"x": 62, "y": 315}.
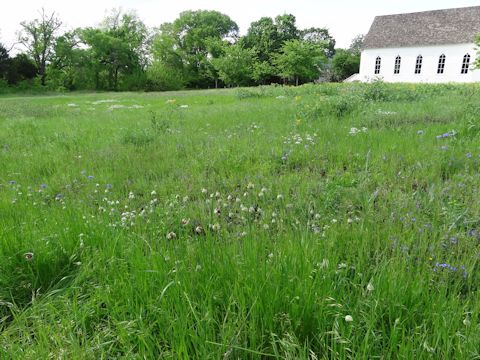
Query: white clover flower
{"x": 250, "y": 186}
{"x": 171, "y": 236}
{"x": 204, "y": 191}
{"x": 348, "y": 318}
{"x": 215, "y": 227}
{"x": 354, "y": 131}
{"x": 28, "y": 256}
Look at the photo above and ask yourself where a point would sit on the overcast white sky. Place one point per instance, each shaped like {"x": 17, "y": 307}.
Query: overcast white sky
{"x": 344, "y": 18}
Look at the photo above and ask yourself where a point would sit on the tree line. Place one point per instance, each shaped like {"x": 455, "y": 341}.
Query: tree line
{"x": 200, "y": 49}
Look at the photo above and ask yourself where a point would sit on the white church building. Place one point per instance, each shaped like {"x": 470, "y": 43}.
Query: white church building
{"x": 423, "y": 47}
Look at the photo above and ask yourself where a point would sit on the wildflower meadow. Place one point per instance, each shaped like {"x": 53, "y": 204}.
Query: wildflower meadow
{"x": 325, "y": 221}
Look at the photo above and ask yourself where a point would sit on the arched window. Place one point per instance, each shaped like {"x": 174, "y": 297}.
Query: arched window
{"x": 378, "y": 64}
{"x": 441, "y": 64}
{"x": 398, "y": 62}
{"x": 418, "y": 65}
{"x": 466, "y": 64}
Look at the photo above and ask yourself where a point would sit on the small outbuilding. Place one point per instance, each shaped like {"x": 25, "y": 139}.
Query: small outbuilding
{"x": 424, "y": 47}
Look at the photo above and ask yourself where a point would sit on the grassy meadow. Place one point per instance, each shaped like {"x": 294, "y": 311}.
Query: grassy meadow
{"x": 321, "y": 222}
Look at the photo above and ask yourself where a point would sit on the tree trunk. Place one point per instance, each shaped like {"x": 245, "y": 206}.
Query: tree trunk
{"x": 42, "y": 74}
{"x": 115, "y": 79}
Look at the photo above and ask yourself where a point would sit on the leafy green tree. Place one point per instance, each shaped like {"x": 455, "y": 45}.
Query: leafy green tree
{"x": 357, "y": 44}
{"x": 20, "y": 68}
{"x": 267, "y": 36}
{"x": 191, "y": 42}
{"x": 344, "y": 64}
{"x": 300, "y": 61}
{"x": 262, "y": 36}
{"x": 235, "y": 67}
{"x": 263, "y": 71}
{"x": 320, "y": 36}
{"x": 286, "y": 29}
{"x": 69, "y": 68}
{"x": 117, "y": 49}
{"x": 477, "y": 60}
{"x": 4, "y": 59}
{"x": 38, "y": 37}
{"x": 162, "y": 77}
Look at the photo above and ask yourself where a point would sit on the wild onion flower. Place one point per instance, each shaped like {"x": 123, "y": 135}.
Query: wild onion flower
{"x": 447, "y": 135}
{"x": 451, "y": 268}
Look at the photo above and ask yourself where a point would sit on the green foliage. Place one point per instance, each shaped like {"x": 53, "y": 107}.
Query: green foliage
{"x": 357, "y": 44}
{"x": 320, "y": 36}
{"x": 161, "y": 77}
{"x": 38, "y": 37}
{"x": 188, "y": 45}
{"x": 235, "y": 66}
{"x": 199, "y": 49}
{"x": 116, "y": 50}
{"x": 300, "y": 61}
{"x": 4, "y": 61}
{"x": 20, "y": 68}
{"x": 345, "y": 64}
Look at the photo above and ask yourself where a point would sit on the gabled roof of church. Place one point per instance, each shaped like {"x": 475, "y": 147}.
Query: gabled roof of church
{"x": 438, "y": 27}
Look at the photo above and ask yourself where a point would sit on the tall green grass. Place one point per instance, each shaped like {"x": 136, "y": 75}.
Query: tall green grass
{"x": 320, "y": 222}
